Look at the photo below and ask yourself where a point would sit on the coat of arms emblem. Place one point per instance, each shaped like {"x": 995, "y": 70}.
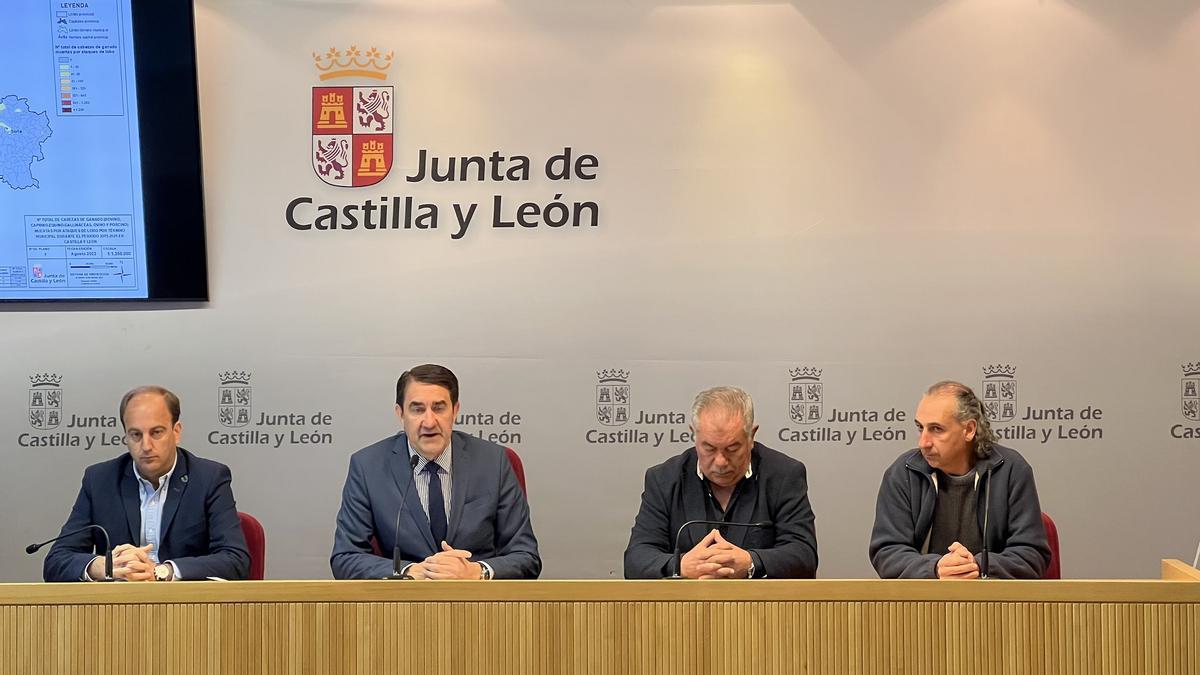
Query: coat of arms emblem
{"x": 1190, "y": 392}
{"x": 233, "y": 399}
{"x": 352, "y": 126}
{"x": 612, "y": 397}
{"x": 806, "y": 395}
{"x": 45, "y": 401}
{"x": 1000, "y": 392}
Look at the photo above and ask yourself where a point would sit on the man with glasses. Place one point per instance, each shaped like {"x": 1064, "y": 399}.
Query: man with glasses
{"x": 169, "y": 514}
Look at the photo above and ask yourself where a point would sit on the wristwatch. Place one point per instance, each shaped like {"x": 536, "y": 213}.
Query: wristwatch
{"x": 162, "y": 572}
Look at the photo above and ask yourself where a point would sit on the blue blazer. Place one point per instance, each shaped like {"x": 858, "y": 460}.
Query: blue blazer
{"x": 200, "y": 528}
{"x": 488, "y": 514}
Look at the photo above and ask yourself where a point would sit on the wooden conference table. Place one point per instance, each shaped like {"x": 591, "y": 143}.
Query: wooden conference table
{"x": 552, "y": 627}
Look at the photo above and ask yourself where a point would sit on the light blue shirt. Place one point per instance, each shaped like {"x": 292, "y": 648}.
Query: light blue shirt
{"x": 152, "y": 502}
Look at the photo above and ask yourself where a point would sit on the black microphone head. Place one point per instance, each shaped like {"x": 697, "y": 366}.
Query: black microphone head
{"x": 32, "y": 548}
{"x": 412, "y": 462}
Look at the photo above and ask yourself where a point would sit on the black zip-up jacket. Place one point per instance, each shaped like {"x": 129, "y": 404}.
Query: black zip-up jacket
{"x": 1015, "y": 537}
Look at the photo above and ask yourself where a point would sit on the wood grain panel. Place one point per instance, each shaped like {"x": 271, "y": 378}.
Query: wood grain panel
{"x": 1177, "y": 570}
{"x": 296, "y": 628}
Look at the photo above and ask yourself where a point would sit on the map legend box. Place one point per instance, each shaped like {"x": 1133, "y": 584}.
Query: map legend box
{"x": 87, "y": 49}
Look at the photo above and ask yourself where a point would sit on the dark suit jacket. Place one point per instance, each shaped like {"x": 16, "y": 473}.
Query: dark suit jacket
{"x": 488, "y": 515}
{"x": 777, "y": 492}
{"x": 200, "y": 529}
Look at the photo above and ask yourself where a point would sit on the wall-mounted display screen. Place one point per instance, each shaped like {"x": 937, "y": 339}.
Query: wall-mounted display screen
{"x": 100, "y": 181}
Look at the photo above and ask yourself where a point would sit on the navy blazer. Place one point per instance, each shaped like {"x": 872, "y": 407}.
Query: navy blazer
{"x": 200, "y": 531}
{"x": 488, "y": 513}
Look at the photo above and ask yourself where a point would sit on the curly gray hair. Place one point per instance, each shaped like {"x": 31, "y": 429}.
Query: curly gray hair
{"x": 968, "y": 407}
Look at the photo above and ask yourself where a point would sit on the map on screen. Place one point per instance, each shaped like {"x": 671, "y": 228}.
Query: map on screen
{"x": 71, "y": 211}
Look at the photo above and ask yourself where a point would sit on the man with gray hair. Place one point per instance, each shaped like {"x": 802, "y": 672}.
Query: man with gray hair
{"x": 726, "y": 477}
{"x": 959, "y": 506}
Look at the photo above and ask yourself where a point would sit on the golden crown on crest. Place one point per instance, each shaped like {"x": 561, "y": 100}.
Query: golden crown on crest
{"x": 353, "y": 62}
{"x": 1190, "y": 369}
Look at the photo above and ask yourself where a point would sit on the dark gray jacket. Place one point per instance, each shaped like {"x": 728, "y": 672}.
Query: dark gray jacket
{"x": 1015, "y": 536}
{"x": 777, "y": 491}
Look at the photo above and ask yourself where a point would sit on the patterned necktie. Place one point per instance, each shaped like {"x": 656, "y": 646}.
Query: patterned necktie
{"x": 437, "y": 506}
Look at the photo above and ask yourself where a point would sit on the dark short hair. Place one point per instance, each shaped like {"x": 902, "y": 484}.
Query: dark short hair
{"x": 428, "y": 374}
{"x": 168, "y": 396}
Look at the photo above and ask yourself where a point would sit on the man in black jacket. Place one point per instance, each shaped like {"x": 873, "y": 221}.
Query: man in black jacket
{"x": 959, "y": 506}
{"x": 726, "y": 476}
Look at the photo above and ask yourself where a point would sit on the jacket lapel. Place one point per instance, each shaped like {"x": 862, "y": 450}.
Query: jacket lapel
{"x": 460, "y": 479}
{"x": 132, "y": 503}
{"x": 175, "y": 492}
{"x": 694, "y": 498}
{"x": 406, "y": 483}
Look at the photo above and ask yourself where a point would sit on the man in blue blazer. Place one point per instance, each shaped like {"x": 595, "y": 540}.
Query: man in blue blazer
{"x": 464, "y": 515}
{"x": 169, "y": 514}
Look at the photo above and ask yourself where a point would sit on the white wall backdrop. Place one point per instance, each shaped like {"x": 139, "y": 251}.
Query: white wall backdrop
{"x": 891, "y": 193}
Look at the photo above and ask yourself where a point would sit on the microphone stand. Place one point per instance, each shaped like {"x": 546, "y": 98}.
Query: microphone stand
{"x": 412, "y": 466}
{"x": 108, "y": 559}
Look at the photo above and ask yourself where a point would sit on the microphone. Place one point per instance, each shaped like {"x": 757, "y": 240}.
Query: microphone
{"x": 108, "y": 562}
{"x": 412, "y": 466}
{"x": 987, "y": 507}
{"x": 720, "y": 523}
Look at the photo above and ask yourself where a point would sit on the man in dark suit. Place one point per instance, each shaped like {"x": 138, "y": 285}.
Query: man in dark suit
{"x": 464, "y": 514}
{"x": 726, "y": 476}
{"x": 170, "y": 513}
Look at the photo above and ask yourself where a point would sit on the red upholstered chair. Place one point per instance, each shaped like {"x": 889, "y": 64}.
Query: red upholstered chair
{"x": 1054, "y": 569}
{"x": 518, "y": 468}
{"x": 256, "y": 541}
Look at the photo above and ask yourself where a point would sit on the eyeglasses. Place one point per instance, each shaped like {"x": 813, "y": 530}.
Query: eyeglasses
{"x": 156, "y": 434}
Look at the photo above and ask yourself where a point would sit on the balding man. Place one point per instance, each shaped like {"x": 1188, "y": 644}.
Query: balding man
{"x": 725, "y": 477}
{"x": 170, "y": 514}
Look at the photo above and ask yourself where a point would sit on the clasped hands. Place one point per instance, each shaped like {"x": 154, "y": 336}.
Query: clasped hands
{"x": 449, "y": 563}
{"x": 959, "y": 563}
{"x": 130, "y": 563}
{"x": 715, "y": 558}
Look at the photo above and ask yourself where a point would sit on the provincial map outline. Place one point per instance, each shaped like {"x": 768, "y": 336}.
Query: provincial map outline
{"x": 22, "y": 133}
